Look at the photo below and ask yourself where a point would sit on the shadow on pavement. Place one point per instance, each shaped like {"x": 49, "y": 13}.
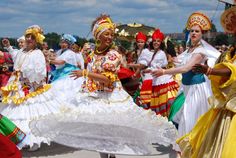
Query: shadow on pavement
{"x": 45, "y": 150}
{"x": 164, "y": 150}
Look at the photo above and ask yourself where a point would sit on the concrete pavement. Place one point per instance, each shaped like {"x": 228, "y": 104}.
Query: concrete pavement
{"x": 59, "y": 151}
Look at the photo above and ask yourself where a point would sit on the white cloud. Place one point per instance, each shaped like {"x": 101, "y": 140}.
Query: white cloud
{"x": 76, "y": 16}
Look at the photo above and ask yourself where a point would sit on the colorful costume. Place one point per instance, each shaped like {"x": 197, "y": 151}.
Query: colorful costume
{"x": 8, "y": 149}
{"x": 26, "y": 95}
{"x": 214, "y": 133}
{"x": 106, "y": 119}
{"x": 164, "y": 88}
{"x": 9, "y": 129}
{"x": 6, "y": 65}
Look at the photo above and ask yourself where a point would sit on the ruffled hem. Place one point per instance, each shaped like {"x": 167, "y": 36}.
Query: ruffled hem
{"x": 102, "y": 123}
{"x": 34, "y": 108}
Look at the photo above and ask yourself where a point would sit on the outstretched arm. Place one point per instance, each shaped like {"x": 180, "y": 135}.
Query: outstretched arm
{"x": 196, "y": 59}
{"x": 95, "y": 76}
{"x": 224, "y": 71}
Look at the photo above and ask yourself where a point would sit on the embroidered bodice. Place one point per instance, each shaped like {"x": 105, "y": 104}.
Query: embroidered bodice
{"x": 107, "y": 65}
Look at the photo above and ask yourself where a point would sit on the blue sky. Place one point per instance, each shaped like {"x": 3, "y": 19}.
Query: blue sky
{"x": 76, "y": 16}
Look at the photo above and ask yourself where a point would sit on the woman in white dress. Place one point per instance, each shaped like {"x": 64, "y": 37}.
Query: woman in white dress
{"x": 65, "y": 62}
{"x": 26, "y": 95}
{"x": 106, "y": 119}
{"x": 195, "y": 86}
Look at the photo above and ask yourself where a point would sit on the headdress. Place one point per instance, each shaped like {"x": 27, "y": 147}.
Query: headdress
{"x": 68, "y": 38}
{"x": 102, "y": 25}
{"x": 157, "y": 34}
{"x": 142, "y": 36}
{"x": 20, "y": 38}
{"x": 228, "y": 20}
{"x": 200, "y": 19}
{"x": 37, "y": 32}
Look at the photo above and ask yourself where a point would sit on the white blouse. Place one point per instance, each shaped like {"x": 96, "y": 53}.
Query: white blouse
{"x": 32, "y": 64}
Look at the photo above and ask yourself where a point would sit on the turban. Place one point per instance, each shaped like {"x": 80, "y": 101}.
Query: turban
{"x": 102, "y": 25}
{"x": 37, "y": 32}
{"x": 141, "y": 36}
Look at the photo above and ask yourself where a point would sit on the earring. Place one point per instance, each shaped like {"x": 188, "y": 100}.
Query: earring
{"x": 97, "y": 43}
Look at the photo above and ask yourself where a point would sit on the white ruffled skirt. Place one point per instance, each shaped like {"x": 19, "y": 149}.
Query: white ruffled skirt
{"x": 66, "y": 88}
{"x": 107, "y": 122}
{"x": 56, "y": 100}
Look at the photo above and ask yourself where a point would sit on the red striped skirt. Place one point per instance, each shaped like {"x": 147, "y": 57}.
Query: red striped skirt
{"x": 146, "y": 92}
{"x": 163, "y": 96}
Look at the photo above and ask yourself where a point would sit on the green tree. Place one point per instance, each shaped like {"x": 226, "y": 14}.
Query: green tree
{"x": 221, "y": 39}
{"x": 213, "y": 27}
{"x": 52, "y": 39}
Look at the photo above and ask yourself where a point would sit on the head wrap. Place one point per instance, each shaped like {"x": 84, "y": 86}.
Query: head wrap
{"x": 228, "y": 20}
{"x": 68, "y": 38}
{"x": 37, "y": 32}
{"x": 102, "y": 25}
{"x": 20, "y": 38}
{"x": 141, "y": 36}
{"x": 157, "y": 34}
{"x": 199, "y": 19}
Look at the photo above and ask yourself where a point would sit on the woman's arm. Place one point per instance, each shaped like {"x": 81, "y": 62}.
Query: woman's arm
{"x": 196, "y": 59}
{"x": 57, "y": 62}
{"x": 95, "y": 76}
{"x": 199, "y": 68}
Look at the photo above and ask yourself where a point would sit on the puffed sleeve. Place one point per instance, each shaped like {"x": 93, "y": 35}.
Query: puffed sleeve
{"x": 160, "y": 60}
{"x": 34, "y": 68}
{"x": 145, "y": 57}
{"x": 69, "y": 57}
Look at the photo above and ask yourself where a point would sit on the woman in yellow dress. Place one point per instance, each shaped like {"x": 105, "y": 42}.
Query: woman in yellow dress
{"x": 214, "y": 134}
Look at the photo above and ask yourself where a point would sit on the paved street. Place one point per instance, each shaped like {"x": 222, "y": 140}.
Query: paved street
{"x": 59, "y": 151}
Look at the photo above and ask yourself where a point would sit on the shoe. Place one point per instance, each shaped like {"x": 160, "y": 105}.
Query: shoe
{"x": 112, "y": 156}
{"x": 35, "y": 147}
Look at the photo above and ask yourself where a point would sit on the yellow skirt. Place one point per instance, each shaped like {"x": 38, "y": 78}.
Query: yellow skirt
{"x": 212, "y": 137}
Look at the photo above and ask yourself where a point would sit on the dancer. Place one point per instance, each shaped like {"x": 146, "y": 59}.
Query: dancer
{"x": 106, "y": 119}
{"x": 196, "y": 89}
{"x": 66, "y": 61}
{"x": 11, "y": 50}
{"x": 26, "y": 95}
{"x": 214, "y": 134}
{"x": 164, "y": 88}
{"x": 142, "y": 96}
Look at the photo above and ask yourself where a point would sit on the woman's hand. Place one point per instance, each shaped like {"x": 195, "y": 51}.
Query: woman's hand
{"x": 200, "y": 68}
{"x": 6, "y": 42}
{"x": 147, "y": 71}
{"x": 76, "y": 74}
{"x": 158, "y": 72}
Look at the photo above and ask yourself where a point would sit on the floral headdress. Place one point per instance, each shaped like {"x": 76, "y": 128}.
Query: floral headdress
{"x": 228, "y": 20}
{"x": 198, "y": 18}
{"x": 37, "y": 32}
{"x": 102, "y": 25}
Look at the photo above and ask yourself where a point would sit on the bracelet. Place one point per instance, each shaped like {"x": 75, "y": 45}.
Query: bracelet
{"x": 87, "y": 73}
{"x": 83, "y": 72}
{"x": 209, "y": 70}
